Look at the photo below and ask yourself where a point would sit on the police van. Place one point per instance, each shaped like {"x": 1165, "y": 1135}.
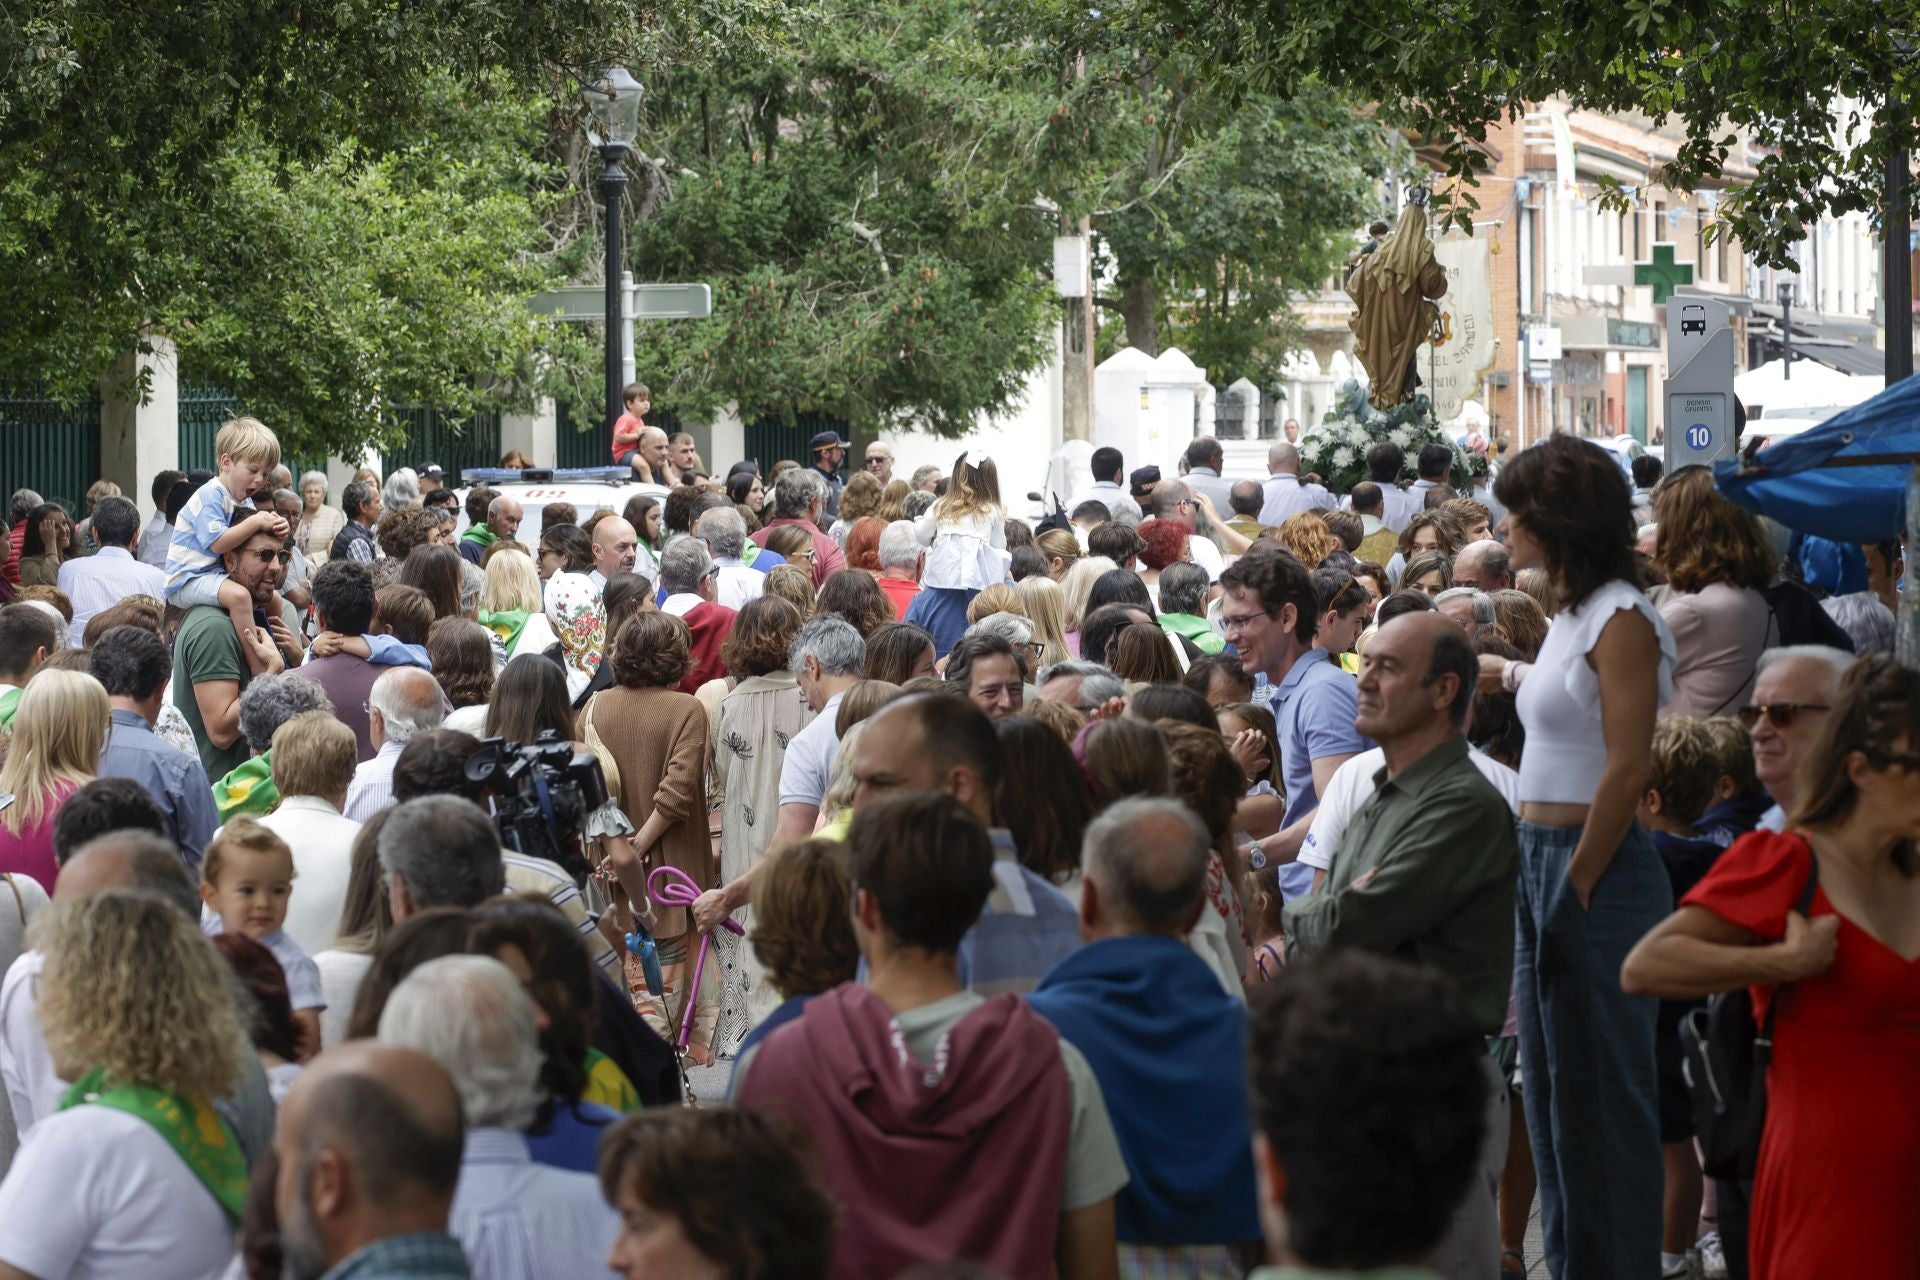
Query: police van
{"x": 589, "y": 489}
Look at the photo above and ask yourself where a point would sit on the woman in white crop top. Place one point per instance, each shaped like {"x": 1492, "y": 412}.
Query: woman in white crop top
{"x": 1591, "y": 883}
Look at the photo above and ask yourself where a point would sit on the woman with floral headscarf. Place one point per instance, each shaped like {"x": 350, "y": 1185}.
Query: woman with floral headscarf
{"x": 580, "y": 620}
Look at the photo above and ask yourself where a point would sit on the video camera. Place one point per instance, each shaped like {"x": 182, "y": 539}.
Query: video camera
{"x": 542, "y": 794}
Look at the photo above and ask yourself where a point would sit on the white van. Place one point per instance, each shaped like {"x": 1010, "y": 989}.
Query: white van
{"x": 589, "y": 489}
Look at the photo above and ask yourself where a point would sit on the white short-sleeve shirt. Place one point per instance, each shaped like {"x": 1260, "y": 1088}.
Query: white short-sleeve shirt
{"x": 33, "y": 1089}
{"x": 1352, "y": 785}
{"x": 98, "y": 1192}
{"x": 808, "y": 766}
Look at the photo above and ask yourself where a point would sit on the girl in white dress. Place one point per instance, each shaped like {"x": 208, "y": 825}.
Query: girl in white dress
{"x": 967, "y": 531}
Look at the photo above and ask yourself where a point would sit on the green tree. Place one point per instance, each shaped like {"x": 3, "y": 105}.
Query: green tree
{"x": 1821, "y": 88}
{"x": 329, "y": 206}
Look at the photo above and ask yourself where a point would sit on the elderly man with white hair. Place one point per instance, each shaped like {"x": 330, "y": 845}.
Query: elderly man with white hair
{"x": 725, "y": 534}
{"x": 901, "y": 556}
{"x": 404, "y": 701}
{"x": 1471, "y": 607}
{"x": 515, "y": 1219}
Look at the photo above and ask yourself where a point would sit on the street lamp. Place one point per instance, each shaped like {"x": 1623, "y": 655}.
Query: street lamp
{"x": 1784, "y": 292}
{"x": 613, "y": 100}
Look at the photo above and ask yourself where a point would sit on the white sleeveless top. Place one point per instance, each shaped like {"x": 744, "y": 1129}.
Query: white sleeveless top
{"x": 1559, "y": 699}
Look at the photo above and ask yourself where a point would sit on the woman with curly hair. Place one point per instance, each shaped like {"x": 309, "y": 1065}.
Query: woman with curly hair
{"x": 857, "y": 597}
{"x": 863, "y": 544}
{"x": 1306, "y": 534}
{"x": 802, "y": 934}
{"x": 1717, "y": 561}
{"x": 1429, "y": 531}
{"x": 658, "y": 738}
{"x": 462, "y": 655}
{"x": 792, "y": 583}
{"x": 858, "y": 501}
{"x": 757, "y": 719}
{"x": 1165, "y": 542}
{"x": 138, "y": 1011}
{"x": 715, "y": 1193}
{"x": 402, "y": 529}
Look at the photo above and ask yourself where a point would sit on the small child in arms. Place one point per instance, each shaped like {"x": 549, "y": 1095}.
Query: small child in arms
{"x": 245, "y": 882}
{"x": 206, "y": 530}
{"x": 402, "y": 617}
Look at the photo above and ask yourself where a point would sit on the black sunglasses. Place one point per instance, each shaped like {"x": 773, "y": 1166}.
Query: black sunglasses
{"x": 1783, "y": 714}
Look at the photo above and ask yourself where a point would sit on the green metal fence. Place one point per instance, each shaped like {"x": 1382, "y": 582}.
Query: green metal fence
{"x": 432, "y": 437}
{"x": 203, "y": 410}
{"x": 46, "y": 446}
{"x": 594, "y": 446}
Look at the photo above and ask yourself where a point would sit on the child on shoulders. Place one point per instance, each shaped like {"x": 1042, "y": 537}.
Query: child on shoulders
{"x": 206, "y": 530}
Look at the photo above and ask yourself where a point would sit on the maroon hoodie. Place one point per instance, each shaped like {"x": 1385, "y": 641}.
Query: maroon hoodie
{"x": 709, "y": 624}
{"x": 964, "y": 1157}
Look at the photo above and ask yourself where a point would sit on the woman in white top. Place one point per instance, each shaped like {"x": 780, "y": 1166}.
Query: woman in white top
{"x": 1591, "y": 883}
{"x": 1717, "y": 560}
{"x": 135, "y": 1174}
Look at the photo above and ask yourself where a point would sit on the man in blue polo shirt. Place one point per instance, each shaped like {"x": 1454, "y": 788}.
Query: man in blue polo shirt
{"x": 1269, "y": 612}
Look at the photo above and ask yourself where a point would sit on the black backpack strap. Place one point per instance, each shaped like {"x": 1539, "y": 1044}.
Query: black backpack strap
{"x": 1763, "y": 1043}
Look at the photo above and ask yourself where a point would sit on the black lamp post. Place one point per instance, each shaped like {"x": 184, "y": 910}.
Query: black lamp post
{"x": 613, "y": 100}
{"x": 1784, "y": 291}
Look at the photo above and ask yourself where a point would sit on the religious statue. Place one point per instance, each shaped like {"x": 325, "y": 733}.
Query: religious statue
{"x": 1393, "y": 314}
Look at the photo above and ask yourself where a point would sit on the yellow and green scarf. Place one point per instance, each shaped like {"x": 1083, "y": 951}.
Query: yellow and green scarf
{"x": 191, "y": 1127}
{"x": 505, "y": 623}
{"x": 608, "y": 1085}
{"x": 248, "y": 789}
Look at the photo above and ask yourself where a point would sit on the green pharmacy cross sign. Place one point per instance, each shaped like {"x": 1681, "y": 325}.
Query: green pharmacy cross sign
{"x": 1663, "y": 273}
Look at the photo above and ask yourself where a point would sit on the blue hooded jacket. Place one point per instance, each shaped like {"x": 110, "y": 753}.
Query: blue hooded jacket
{"x": 1169, "y": 1049}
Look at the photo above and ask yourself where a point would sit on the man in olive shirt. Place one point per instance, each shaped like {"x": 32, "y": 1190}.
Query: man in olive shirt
{"x": 209, "y": 670}
{"x": 1425, "y": 871}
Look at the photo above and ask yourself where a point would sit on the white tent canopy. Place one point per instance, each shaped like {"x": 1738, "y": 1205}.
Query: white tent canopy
{"x": 1766, "y": 391}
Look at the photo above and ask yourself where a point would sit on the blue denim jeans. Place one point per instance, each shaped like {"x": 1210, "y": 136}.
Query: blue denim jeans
{"x": 1586, "y": 1055}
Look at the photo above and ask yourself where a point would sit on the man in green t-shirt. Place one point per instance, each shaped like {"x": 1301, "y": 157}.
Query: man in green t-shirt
{"x": 209, "y": 670}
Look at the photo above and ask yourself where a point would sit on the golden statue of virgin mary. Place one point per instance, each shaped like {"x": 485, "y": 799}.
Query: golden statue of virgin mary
{"x": 1391, "y": 290}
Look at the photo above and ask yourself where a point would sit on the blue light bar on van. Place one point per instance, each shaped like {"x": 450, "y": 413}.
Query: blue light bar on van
{"x": 471, "y": 476}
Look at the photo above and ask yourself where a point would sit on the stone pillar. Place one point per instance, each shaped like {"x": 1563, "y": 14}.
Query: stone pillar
{"x": 140, "y": 436}
{"x": 534, "y": 434}
{"x": 726, "y": 441}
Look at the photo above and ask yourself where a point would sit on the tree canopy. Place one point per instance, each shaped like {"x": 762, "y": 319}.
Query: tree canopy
{"x": 1817, "y": 87}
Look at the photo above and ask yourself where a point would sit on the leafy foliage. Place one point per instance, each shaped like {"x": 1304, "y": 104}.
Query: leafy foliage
{"x": 1816, "y": 86}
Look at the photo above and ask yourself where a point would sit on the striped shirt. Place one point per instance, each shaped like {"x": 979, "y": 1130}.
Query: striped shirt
{"x": 518, "y": 1220}
{"x": 527, "y": 874}
{"x": 206, "y": 516}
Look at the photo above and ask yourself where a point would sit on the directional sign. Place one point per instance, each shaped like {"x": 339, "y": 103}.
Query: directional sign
{"x": 1699, "y": 388}
{"x": 645, "y": 302}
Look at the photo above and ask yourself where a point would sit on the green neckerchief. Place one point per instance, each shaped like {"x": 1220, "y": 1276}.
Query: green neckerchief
{"x": 192, "y": 1128}
{"x": 1194, "y": 628}
{"x": 481, "y": 534}
{"x": 248, "y": 789}
{"x": 9, "y": 703}
{"x": 608, "y": 1085}
{"x": 505, "y": 623}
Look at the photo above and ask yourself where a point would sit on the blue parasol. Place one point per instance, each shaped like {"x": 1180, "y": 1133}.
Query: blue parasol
{"x": 1845, "y": 479}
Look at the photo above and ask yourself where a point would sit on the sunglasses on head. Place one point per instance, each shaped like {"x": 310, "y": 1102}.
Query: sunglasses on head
{"x": 1782, "y": 714}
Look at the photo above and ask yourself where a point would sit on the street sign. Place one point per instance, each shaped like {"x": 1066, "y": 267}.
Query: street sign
{"x": 1662, "y": 273}
{"x": 644, "y": 302}
{"x": 1699, "y": 388}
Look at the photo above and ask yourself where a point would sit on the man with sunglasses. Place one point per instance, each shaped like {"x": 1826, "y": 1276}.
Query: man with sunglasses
{"x": 209, "y": 670}
{"x": 1792, "y": 696}
{"x": 879, "y": 462}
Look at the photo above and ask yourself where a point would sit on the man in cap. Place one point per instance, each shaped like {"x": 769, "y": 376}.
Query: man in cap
{"x": 432, "y": 476}
{"x": 828, "y": 450}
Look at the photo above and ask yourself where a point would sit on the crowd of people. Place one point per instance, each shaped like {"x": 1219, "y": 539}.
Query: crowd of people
{"x": 1215, "y": 872}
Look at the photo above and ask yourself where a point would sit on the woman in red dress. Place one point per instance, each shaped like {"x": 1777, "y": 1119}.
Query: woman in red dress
{"x": 1838, "y": 1185}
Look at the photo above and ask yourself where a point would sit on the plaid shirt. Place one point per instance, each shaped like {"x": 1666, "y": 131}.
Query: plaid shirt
{"x": 426, "y": 1256}
{"x": 1179, "y": 1262}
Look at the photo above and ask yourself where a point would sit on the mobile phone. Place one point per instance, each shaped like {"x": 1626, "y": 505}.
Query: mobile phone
{"x": 260, "y": 619}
